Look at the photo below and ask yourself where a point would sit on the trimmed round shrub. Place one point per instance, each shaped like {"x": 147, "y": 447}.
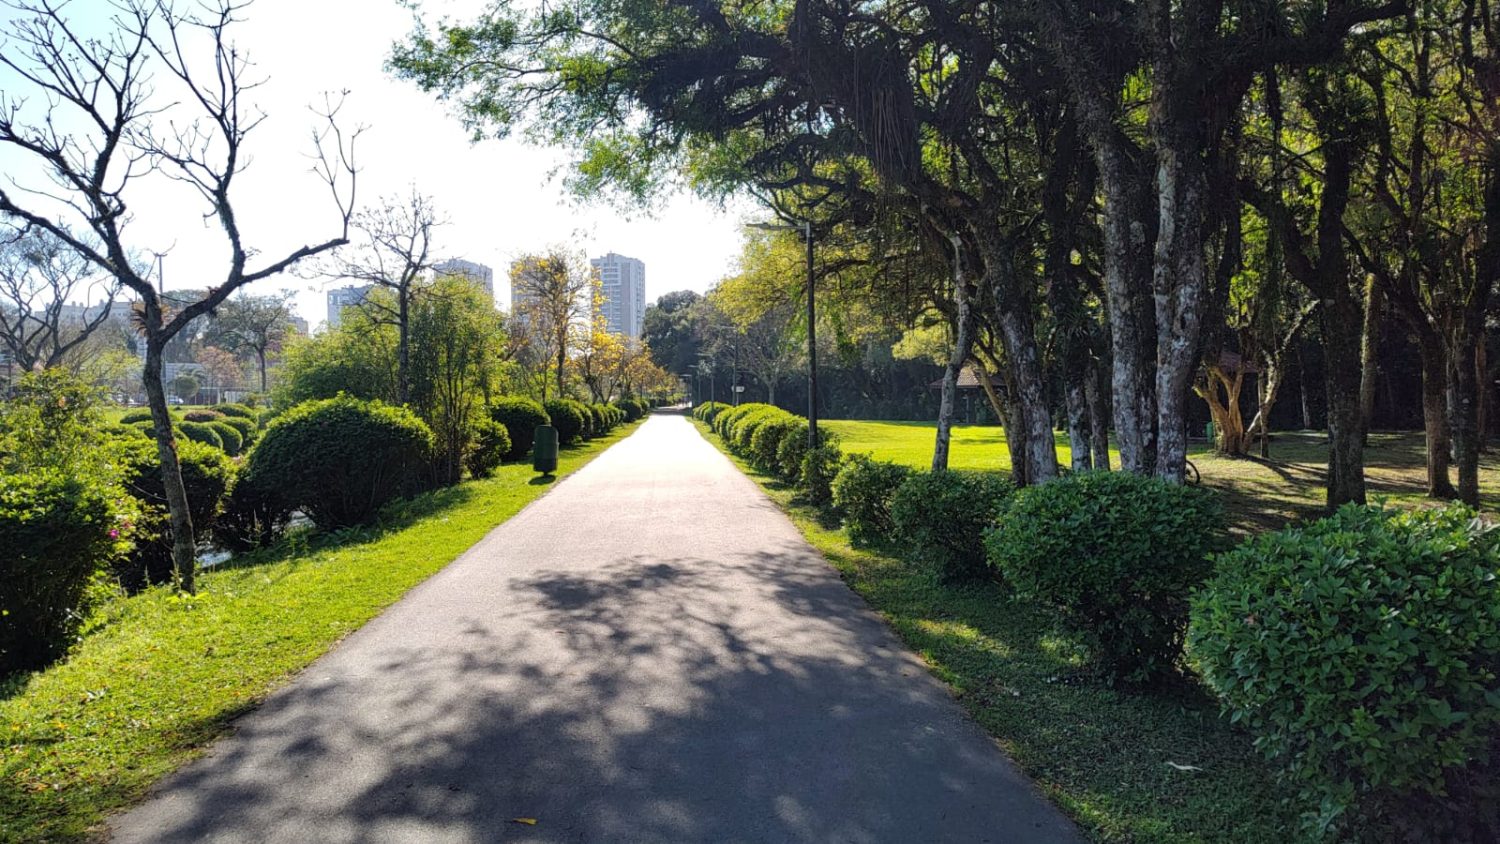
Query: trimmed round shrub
{"x": 938, "y": 519}
{"x": 207, "y": 475}
{"x": 766, "y": 441}
{"x": 819, "y": 467}
{"x": 1115, "y": 555}
{"x": 239, "y": 411}
{"x": 566, "y": 418}
{"x": 862, "y": 491}
{"x": 202, "y": 416}
{"x": 340, "y": 460}
{"x": 136, "y": 416}
{"x": 521, "y": 417}
{"x": 201, "y": 432}
{"x": 1363, "y": 653}
{"x": 229, "y": 436}
{"x": 708, "y": 410}
{"x": 491, "y": 444}
{"x": 245, "y": 427}
{"x": 631, "y": 410}
{"x": 60, "y": 533}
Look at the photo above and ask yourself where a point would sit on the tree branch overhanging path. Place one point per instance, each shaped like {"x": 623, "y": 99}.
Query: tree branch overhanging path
{"x": 162, "y": 96}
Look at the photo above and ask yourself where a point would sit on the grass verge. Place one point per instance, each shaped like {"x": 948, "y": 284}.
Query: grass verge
{"x": 161, "y": 675}
{"x": 1139, "y": 767}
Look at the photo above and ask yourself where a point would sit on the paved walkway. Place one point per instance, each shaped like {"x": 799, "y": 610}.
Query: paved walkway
{"x": 650, "y": 652}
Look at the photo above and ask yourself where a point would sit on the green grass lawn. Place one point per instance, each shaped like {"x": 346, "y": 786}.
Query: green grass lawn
{"x": 1259, "y": 494}
{"x": 1139, "y": 767}
{"x": 160, "y": 676}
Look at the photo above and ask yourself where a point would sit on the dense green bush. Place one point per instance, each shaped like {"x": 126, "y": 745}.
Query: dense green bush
{"x": 939, "y": 518}
{"x": 340, "y": 460}
{"x": 863, "y": 491}
{"x": 630, "y": 408}
{"x": 819, "y": 467}
{"x": 136, "y": 416}
{"x": 59, "y": 533}
{"x": 202, "y": 416}
{"x": 740, "y": 430}
{"x": 201, "y": 432}
{"x": 566, "y": 418}
{"x": 207, "y": 475}
{"x": 520, "y": 416}
{"x": 246, "y": 428}
{"x": 238, "y": 411}
{"x": 1363, "y": 653}
{"x": 706, "y": 411}
{"x": 491, "y": 444}
{"x": 765, "y": 442}
{"x": 229, "y": 437}
{"x": 1116, "y": 555}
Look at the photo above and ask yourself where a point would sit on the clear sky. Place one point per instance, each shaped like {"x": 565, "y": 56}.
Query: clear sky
{"x": 501, "y": 198}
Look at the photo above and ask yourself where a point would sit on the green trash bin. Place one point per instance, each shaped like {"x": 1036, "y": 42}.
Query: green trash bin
{"x": 544, "y": 450}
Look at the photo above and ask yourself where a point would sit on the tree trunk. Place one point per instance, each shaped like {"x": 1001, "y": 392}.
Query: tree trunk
{"x": 1076, "y": 401}
{"x": 1466, "y": 418}
{"x": 1435, "y": 415}
{"x": 1341, "y": 326}
{"x": 1098, "y": 416}
{"x": 1369, "y": 352}
{"x": 1005, "y": 413}
{"x": 1126, "y": 281}
{"x": 1179, "y": 283}
{"x": 184, "y": 548}
{"x": 260, "y": 357}
{"x": 403, "y": 345}
{"x": 963, "y": 345}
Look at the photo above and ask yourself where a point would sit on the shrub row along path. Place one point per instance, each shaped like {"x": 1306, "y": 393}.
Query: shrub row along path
{"x": 650, "y": 652}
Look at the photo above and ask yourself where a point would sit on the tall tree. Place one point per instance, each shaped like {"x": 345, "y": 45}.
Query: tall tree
{"x": 254, "y": 325}
{"x": 554, "y": 295}
{"x": 99, "y": 130}
{"x": 392, "y": 250}
{"x": 41, "y": 277}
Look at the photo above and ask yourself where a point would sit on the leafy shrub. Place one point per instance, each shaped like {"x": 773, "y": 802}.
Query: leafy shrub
{"x": 340, "y": 460}
{"x": 60, "y": 533}
{"x": 201, "y": 432}
{"x": 863, "y": 491}
{"x": 819, "y": 466}
{"x": 202, "y": 416}
{"x": 207, "y": 475}
{"x": 229, "y": 437}
{"x": 246, "y": 428}
{"x": 136, "y": 416}
{"x": 765, "y": 442}
{"x": 1362, "y": 651}
{"x": 253, "y": 515}
{"x": 938, "y": 519}
{"x": 520, "y": 416}
{"x": 744, "y": 420}
{"x": 566, "y": 419}
{"x": 631, "y": 410}
{"x": 708, "y": 410}
{"x": 238, "y": 411}
{"x": 1116, "y": 555}
{"x": 491, "y": 444}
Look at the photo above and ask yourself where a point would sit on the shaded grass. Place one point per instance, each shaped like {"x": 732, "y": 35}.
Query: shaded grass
{"x": 1105, "y": 756}
{"x": 160, "y": 675}
{"x": 1258, "y": 494}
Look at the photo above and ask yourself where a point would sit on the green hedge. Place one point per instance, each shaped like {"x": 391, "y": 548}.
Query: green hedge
{"x": 490, "y": 446}
{"x": 1115, "y": 555}
{"x": 1363, "y": 653}
{"x": 207, "y": 476}
{"x": 201, "y": 432}
{"x": 520, "y": 416}
{"x": 60, "y": 532}
{"x": 566, "y": 418}
{"x": 340, "y": 460}
{"x": 862, "y": 492}
{"x": 939, "y": 518}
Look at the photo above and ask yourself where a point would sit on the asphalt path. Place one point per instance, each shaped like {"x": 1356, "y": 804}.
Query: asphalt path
{"x": 649, "y": 652}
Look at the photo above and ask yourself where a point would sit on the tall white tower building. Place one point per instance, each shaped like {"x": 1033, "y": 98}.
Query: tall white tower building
{"x": 481, "y": 274}
{"x": 624, "y": 293}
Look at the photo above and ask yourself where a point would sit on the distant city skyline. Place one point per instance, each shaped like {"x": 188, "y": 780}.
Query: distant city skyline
{"x": 623, "y": 300}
